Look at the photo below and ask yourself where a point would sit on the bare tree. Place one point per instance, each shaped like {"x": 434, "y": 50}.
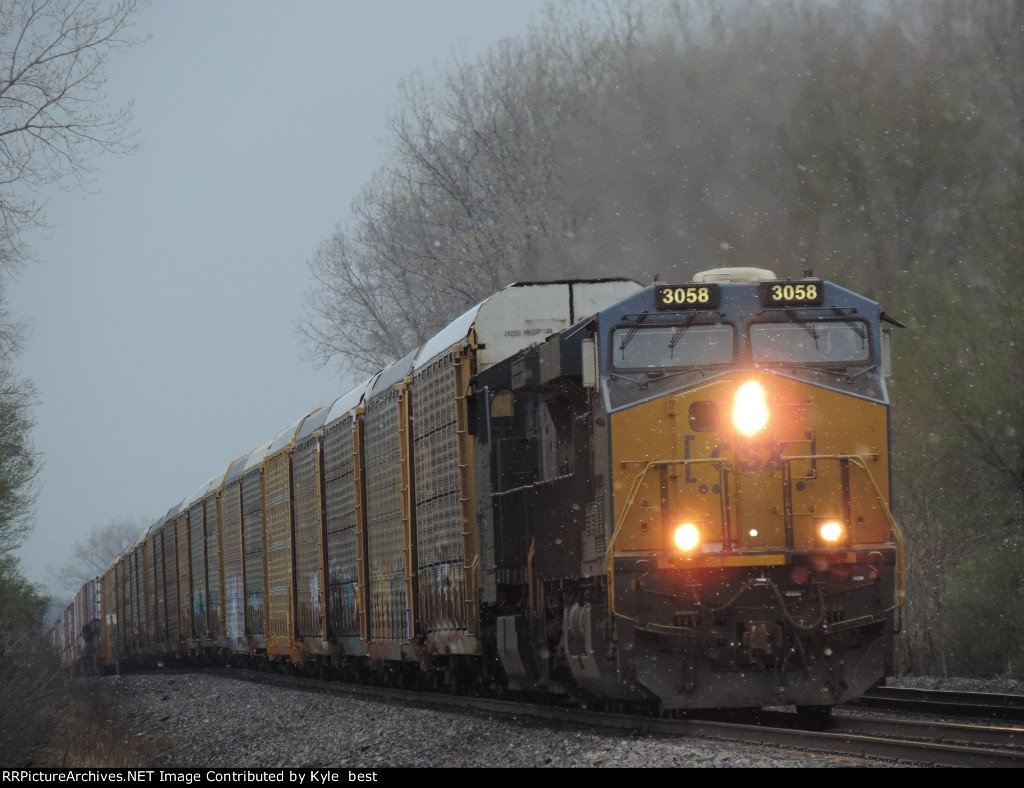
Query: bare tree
{"x": 53, "y": 117}
{"x": 471, "y": 195}
{"x": 94, "y": 553}
{"x": 52, "y": 112}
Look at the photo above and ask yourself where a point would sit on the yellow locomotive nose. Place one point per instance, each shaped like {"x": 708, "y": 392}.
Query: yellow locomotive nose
{"x": 750, "y": 408}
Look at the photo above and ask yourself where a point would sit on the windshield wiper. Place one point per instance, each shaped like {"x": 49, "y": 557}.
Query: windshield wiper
{"x": 841, "y": 373}
{"x": 678, "y": 333}
{"x": 654, "y": 375}
{"x": 805, "y": 325}
{"x": 638, "y": 383}
{"x": 632, "y": 332}
{"x": 856, "y": 326}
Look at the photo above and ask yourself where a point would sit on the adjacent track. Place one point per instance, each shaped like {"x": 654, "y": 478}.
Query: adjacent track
{"x": 982, "y": 705}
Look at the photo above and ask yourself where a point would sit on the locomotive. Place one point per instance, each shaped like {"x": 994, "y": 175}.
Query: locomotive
{"x": 587, "y": 491}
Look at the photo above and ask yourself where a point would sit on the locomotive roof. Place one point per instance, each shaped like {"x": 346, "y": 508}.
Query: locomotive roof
{"x": 735, "y": 298}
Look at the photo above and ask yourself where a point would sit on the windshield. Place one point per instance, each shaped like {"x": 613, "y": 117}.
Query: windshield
{"x": 811, "y": 341}
{"x": 644, "y": 347}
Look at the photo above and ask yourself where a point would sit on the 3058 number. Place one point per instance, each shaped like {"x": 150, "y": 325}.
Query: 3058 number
{"x": 685, "y": 296}
{"x": 794, "y": 293}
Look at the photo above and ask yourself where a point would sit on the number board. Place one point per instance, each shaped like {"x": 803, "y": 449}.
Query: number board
{"x": 686, "y": 296}
{"x": 807, "y": 292}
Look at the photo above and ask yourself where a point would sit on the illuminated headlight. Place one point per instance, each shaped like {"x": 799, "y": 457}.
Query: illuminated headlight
{"x": 686, "y": 537}
{"x": 831, "y": 532}
{"x": 750, "y": 408}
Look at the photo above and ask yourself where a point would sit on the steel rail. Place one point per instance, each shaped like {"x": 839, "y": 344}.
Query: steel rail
{"x": 984, "y": 705}
{"x": 777, "y": 729}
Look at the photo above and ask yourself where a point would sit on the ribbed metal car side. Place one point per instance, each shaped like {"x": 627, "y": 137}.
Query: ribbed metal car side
{"x": 143, "y": 568}
{"x": 279, "y": 545}
{"x": 211, "y": 524}
{"x": 121, "y": 645}
{"x": 309, "y": 543}
{"x": 391, "y": 559}
{"x": 254, "y": 565}
{"x": 233, "y": 575}
{"x": 197, "y": 564}
{"x": 170, "y": 580}
{"x": 202, "y": 511}
{"x": 444, "y": 507}
{"x": 186, "y": 636}
{"x": 109, "y": 610}
{"x": 125, "y": 605}
{"x": 155, "y": 587}
{"x": 92, "y": 626}
{"x": 344, "y": 525}
{"x": 142, "y": 599}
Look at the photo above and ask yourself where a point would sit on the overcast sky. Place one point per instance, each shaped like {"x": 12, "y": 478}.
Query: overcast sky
{"x": 163, "y": 308}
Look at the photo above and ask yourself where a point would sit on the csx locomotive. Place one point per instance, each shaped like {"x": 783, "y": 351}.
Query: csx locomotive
{"x": 590, "y": 491}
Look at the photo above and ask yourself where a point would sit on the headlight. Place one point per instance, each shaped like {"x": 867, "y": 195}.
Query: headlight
{"x": 831, "y": 532}
{"x": 686, "y": 537}
{"x": 750, "y": 408}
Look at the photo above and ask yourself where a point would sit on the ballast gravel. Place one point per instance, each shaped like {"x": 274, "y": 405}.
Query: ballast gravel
{"x": 205, "y": 721}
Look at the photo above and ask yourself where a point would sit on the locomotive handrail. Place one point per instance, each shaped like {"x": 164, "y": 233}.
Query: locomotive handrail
{"x": 609, "y": 555}
{"x": 856, "y": 459}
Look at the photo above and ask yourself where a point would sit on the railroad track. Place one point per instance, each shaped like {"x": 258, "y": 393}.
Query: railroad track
{"x": 890, "y": 740}
{"x": 981, "y": 705}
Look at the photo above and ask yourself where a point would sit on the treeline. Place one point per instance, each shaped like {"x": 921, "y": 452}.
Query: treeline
{"x": 53, "y": 119}
{"x": 880, "y": 144}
